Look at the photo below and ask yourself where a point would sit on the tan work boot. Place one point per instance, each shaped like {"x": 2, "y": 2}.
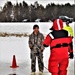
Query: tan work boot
{"x": 32, "y": 73}
{"x": 40, "y": 73}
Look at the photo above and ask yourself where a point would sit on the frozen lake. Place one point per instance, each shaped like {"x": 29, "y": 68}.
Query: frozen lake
{"x": 17, "y": 46}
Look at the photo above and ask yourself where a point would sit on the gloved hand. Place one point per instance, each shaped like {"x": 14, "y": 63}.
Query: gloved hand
{"x": 71, "y": 55}
{"x": 41, "y": 50}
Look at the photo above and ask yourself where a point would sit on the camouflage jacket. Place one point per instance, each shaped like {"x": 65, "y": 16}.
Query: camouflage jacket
{"x": 35, "y": 42}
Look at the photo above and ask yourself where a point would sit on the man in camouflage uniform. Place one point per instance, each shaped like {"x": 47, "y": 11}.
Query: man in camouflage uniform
{"x": 36, "y": 47}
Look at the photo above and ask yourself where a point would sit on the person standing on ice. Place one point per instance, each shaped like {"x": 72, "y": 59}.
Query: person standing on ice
{"x": 69, "y": 29}
{"x": 60, "y": 47}
{"x": 36, "y": 47}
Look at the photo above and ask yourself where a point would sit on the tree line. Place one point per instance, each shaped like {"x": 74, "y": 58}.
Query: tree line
{"x": 22, "y": 11}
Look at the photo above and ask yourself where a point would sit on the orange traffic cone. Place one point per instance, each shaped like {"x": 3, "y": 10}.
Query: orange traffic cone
{"x": 14, "y": 65}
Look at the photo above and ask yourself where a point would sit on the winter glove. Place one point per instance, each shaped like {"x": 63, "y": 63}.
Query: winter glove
{"x": 71, "y": 55}
{"x": 41, "y": 50}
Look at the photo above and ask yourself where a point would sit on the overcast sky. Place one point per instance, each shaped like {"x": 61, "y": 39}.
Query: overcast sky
{"x": 43, "y": 2}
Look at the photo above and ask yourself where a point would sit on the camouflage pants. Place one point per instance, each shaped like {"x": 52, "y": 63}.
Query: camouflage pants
{"x": 40, "y": 62}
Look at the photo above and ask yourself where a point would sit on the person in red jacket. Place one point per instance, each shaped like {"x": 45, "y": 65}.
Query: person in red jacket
{"x": 61, "y": 48}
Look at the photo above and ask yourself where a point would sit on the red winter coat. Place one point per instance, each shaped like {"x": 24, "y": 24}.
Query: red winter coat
{"x": 59, "y": 42}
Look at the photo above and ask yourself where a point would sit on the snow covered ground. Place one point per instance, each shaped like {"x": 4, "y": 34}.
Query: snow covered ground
{"x": 17, "y": 46}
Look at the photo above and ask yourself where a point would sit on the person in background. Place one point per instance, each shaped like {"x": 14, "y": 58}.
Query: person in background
{"x": 36, "y": 49}
{"x": 70, "y": 32}
{"x": 69, "y": 29}
{"x": 60, "y": 48}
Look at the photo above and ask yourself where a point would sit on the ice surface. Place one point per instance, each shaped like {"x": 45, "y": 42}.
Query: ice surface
{"x": 17, "y": 46}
